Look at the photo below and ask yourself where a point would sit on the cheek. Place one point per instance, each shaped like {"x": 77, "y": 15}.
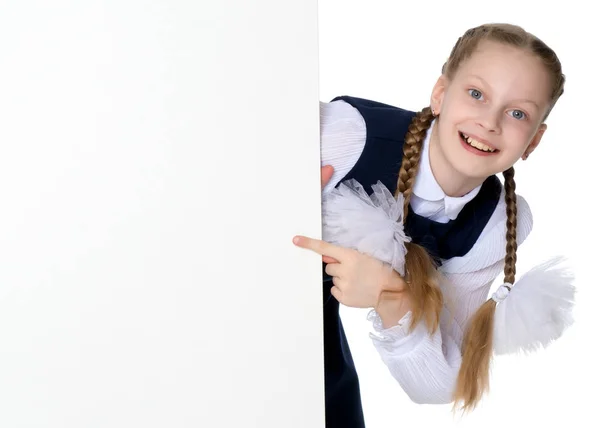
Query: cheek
{"x": 451, "y": 102}
{"x": 518, "y": 134}
{"x": 516, "y": 141}
{"x": 443, "y": 127}
{"x": 459, "y": 110}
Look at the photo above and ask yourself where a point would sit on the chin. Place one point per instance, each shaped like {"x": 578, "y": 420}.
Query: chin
{"x": 471, "y": 167}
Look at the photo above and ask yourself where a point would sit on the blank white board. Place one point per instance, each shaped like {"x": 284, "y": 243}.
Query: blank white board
{"x": 157, "y": 159}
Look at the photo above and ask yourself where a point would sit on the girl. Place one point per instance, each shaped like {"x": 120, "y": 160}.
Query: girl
{"x": 431, "y": 317}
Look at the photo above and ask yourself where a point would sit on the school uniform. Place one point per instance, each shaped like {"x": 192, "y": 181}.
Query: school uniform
{"x": 363, "y": 141}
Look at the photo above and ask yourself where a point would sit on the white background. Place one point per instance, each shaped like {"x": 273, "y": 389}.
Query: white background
{"x": 392, "y": 52}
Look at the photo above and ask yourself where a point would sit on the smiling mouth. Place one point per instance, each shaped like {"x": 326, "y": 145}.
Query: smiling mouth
{"x": 476, "y": 144}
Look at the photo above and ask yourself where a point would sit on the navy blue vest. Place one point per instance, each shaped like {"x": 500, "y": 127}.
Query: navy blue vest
{"x": 380, "y": 161}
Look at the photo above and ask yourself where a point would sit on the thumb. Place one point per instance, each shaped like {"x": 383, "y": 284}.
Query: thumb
{"x": 326, "y": 174}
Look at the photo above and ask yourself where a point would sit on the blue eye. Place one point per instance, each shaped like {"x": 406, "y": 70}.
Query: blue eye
{"x": 518, "y": 114}
{"x": 475, "y": 94}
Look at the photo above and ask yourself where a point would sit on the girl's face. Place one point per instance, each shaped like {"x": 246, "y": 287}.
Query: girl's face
{"x": 490, "y": 113}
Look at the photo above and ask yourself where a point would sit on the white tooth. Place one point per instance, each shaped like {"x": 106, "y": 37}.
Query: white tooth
{"x": 478, "y": 145}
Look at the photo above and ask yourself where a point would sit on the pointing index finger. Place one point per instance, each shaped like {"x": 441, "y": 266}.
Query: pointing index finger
{"x": 320, "y": 247}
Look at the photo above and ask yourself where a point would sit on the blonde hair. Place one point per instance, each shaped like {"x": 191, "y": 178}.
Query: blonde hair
{"x": 421, "y": 278}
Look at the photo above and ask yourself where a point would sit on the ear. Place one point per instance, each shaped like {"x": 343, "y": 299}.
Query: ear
{"x": 437, "y": 94}
{"x": 537, "y": 138}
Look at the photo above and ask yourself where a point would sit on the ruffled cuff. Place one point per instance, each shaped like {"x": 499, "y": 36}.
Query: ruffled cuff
{"x": 396, "y": 339}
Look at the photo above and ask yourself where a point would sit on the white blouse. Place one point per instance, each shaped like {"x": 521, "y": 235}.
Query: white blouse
{"x": 426, "y": 366}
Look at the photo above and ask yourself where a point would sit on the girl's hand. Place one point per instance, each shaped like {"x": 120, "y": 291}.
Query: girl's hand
{"x": 359, "y": 280}
{"x": 326, "y": 174}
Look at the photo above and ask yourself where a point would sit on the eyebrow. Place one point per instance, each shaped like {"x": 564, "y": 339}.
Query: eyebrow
{"x": 474, "y": 76}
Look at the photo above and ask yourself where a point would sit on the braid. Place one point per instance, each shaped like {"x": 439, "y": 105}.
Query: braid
{"x": 412, "y": 155}
{"x": 421, "y": 272}
{"x": 473, "y": 377}
{"x": 510, "y": 262}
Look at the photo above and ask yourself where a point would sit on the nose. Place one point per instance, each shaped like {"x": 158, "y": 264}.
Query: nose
{"x": 489, "y": 120}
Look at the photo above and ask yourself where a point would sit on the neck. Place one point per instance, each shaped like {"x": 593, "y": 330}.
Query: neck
{"x": 452, "y": 182}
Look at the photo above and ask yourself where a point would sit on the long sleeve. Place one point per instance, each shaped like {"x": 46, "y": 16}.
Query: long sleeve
{"x": 426, "y": 366}
{"x": 343, "y": 138}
